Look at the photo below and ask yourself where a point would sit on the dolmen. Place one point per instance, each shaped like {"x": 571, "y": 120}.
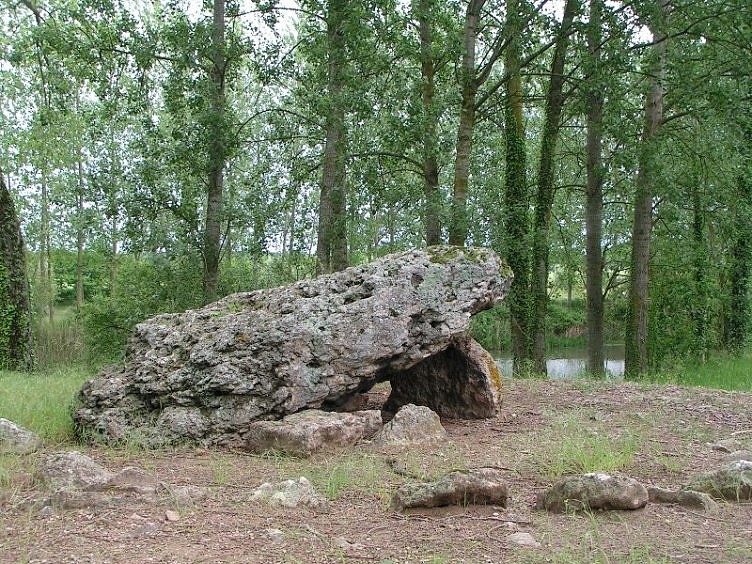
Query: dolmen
{"x": 206, "y": 375}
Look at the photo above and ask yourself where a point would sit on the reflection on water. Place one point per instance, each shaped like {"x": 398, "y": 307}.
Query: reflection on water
{"x": 571, "y": 362}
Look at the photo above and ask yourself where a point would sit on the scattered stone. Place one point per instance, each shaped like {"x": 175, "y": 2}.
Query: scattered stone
{"x": 733, "y": 483}
{"x": 291, "y": 493}
{"x": 524, "y": 539}
{"x": 129, "y": 479}
{"x": 171, "y": 516}
{"x": 685, "y": 498}
{"x": 275, "y": 535}
{"x": 77, "y": 499}
{"x": 311, "y": 430}
{"x": 148, "y": 529}
{"x": 181, "y": 496}
{"x": 412, "y": 424}
{"x": 738, "y": 455}
{"x": 205, "y": 374}
{"x": 17, "y": 440}
{"x": 72, "y": 471}
{"x": 481, "y": 486}
{"x": 593, "y": 491}
{"x": 727, "y": 445}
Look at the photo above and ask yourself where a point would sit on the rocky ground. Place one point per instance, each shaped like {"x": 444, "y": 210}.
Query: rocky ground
{"x": 659, "y": 435}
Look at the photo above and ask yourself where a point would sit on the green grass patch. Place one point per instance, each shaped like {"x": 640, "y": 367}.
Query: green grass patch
{"x": 41, "y": 401}
{"x": 722, "y": 372}
{"x": 578, "y": 450}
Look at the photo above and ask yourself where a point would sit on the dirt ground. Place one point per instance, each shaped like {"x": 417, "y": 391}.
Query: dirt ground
{"x": 667, "y": 434}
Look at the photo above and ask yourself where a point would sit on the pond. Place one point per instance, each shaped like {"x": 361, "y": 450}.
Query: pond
{"x": 569, "y": 362}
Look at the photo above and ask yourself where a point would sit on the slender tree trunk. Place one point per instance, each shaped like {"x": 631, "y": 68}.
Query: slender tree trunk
{"x": 700, "y": 266}
{"x": 432, "y": 211}
{"x": 515, "y": 202}
{"x": 740, "y": 270}
{"x": 212, "y": 251}
{"x": 636, "y": 341}
{"x": 332, "y": 234}
{"x": 458, "y": 227}
{"x": 112, "y": 215}
{"x": 594, "y": 196}
{"x": 545, "y": 193}
{"x": 80, "y": 234}
{"x": 47, "y": 297}
{"x": 16, "y": 346}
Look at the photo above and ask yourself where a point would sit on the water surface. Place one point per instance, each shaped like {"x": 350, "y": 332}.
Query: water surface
{"x": 570, "y": 362}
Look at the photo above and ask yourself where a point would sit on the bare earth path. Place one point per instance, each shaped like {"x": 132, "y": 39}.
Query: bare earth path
{"x": 669, "y": 431}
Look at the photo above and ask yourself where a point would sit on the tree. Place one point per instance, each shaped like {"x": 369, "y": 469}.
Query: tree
{"x": 16, "y": 347}
{"x": 212, "y": 246}
{"x": 594, "y": 100}
{"x": 331, "y": 249}
{"x": 545, "y": 190}
{"x": 516, "y": 198}
{"x": 636, "y": 339}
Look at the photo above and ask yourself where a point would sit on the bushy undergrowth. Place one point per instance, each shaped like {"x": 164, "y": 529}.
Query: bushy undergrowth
{"x": 41, "y": 401}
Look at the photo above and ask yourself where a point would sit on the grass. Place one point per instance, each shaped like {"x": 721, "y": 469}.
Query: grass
{"x": 575, "y": 450}
{"x": 721, "y": 372}
{"x": 41, "y": 401}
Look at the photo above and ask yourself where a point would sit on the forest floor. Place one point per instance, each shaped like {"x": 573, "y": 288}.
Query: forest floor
{"x": 660, "y": 435}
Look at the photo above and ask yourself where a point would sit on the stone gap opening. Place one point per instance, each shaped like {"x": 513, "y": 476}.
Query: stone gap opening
{"x": 460, "y": 382}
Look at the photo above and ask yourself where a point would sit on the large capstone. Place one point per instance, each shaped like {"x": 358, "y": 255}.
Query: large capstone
{"x": 206, "y": 374}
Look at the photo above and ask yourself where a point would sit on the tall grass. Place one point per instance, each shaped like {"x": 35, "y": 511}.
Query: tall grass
{"x": 41, "y": 401}
{"x": 721, "y": 372}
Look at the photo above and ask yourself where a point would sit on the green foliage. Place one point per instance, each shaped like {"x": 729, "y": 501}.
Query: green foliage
{"x": 41, "y": 401}
{"x": 143, "y": 288}
{"x": 491, "y": 328}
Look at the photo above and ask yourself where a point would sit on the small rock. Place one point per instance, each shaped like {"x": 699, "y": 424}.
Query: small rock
{"x": 275, "y": 535}
{"x": 412, "y": 424}
{"x": 738, "y": 455}
{"x": 291, "y": 493}
{"x": 182, "y": 496}
{"x": 72, "y": 470}
{"x": 17, "y": 440}
{"x": 524, "y": 539}
{"x": 685, "y": 498}
{"x": 726, "y": 445}
{"x": 311, "y": 430}
{"x": 129, "y": 479}
{"x": 171, "y": 516}
{"x": 593, "y": 491}
{"x": 733, "y": 483}
{"x": 46, "y": 511}
{"x": 146, "y": 530}
{"x": 74, "y": 499}
{"x": 481, "y": 486}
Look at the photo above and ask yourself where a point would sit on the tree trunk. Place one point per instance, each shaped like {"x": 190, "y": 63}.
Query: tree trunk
{"x": 636, "y": 341}
{"x": 332, "y": 234}
{"x": 516, "y": 228}
{"x": 594, "y": 197}
{"x": 16, "y": 347}
{"x": 432, "y": 211}
{"x": 545, "y": 192}
{"x": 47, "y": 294}
{"x": 738, "y": 321}
{"x": 458, "y": 226}
{"x": 217, "y": 155}
{"x": 80, "y": 234}
{"x": 700, "y": 266}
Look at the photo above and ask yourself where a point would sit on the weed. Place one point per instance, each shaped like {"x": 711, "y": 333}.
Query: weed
{"x": 41, "y": 401}
{"x": 577, "y": 450}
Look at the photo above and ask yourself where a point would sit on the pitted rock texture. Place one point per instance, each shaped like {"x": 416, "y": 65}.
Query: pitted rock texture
{"x": 479, "y": 486}
{"x": 593, "y": 491}
{"x": 16, "y": 439}
{"x": 206, "y": 374}
{"x": 311, "y": 430}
